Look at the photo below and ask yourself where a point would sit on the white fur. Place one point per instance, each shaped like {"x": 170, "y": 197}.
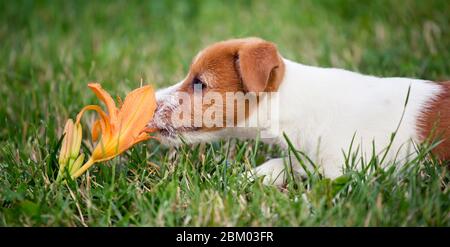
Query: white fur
{"x": 324, "y": 108}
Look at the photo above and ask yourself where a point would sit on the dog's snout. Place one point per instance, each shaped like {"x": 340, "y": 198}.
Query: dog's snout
{"x": 158, "y": 121}
{"x": 152, "y": 123}
{"x": 158, "y": 105}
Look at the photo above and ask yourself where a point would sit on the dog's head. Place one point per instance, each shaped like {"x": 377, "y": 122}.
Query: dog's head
{"x": 201, "y": 107}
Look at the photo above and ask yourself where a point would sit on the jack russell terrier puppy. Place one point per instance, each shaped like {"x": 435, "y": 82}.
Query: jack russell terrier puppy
{"x": 323, "y": 111}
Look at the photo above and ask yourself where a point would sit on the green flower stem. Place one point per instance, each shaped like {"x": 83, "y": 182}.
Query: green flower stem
{"x": 82, "y": 169}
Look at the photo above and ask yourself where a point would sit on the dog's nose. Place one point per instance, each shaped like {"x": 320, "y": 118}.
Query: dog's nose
{"x": 158, "y": 106}
{"x": 152, "y": 124}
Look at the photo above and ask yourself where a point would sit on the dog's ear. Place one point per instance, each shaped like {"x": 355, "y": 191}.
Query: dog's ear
{"x": 256, "y": 63}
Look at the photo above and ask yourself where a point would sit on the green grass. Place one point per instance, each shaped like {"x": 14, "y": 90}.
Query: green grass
{"x": 50, "y": 50}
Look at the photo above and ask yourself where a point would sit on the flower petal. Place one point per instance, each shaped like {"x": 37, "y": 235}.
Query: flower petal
{"x": 127, "y": 128}
{"x": 143, "y": 136}
{"x": 76, "y": 140}
{"x": 96, "y": 128}
{"x": 149, "y": 130}
{"x": 66, "y": 142}
{"x": 105, "y": 119}
{"x": 76, "y": 164}
{"x": 106, "y": 98}
{"x": 107, "y": 149}
{"x": 137, "y": 110}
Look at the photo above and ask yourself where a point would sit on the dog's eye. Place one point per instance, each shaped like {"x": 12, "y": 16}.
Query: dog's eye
{"x": 197, "y": 83}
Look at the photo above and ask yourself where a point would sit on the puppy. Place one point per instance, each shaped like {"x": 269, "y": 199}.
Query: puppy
{"x": 325, "y": 112}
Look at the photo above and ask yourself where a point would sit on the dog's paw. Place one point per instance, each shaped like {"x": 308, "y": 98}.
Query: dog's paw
{"x": 272, "y": 170}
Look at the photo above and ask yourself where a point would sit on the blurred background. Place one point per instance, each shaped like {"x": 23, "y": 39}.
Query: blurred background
{"x": 53, "y": 48}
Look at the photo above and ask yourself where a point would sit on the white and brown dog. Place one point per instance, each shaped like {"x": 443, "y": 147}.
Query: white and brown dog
{"x": 323, "y": 111}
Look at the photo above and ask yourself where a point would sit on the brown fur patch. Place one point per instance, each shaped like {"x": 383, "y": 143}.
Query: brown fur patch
{"x": 435, "y": 122}
{"x": 237, "y": 65}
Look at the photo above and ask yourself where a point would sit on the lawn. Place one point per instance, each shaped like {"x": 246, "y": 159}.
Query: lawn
{"x": 50, "y": 50}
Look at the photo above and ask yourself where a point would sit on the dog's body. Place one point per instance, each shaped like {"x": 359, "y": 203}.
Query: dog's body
{"x": 323, "y": 111}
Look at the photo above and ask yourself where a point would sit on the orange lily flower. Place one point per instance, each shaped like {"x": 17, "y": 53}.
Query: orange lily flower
{"x": 120, "y": 128}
